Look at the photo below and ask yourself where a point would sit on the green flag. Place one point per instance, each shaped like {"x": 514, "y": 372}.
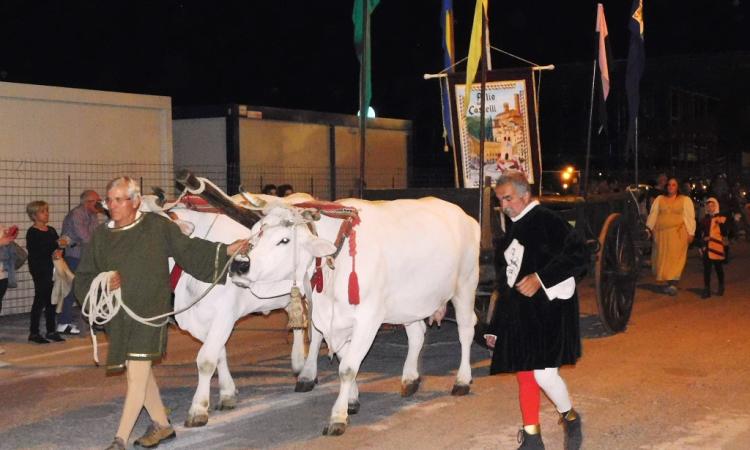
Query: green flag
{"x": 362, "y": 46}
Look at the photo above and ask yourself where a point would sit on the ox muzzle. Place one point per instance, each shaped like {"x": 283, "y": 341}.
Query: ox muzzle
{"x": 240, "y": 265}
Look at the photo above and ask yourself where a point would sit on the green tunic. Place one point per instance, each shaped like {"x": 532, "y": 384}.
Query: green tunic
{"x": 140, "y": 252}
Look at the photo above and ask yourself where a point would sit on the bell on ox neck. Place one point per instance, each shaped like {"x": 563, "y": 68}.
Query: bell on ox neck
{"x": 296, "y": 310}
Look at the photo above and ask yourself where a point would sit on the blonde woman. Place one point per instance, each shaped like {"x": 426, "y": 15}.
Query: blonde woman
{"x": 42, "y": 243}
{"x": 671, "y": 223}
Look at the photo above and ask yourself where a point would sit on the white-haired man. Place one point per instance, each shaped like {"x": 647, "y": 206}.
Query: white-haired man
{"x": 78, "y": 226}
{"x": 136, "y": 246}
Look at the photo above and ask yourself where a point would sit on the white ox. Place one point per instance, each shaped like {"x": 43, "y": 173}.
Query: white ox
{"x": 212, "y": 319}
{"x": 412, "y": 257}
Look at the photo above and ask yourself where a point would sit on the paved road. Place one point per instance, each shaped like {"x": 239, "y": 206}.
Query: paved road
{"x": 676, "y": 379}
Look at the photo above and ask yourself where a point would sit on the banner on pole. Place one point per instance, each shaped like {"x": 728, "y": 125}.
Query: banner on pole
{"x": 511, "y": 126}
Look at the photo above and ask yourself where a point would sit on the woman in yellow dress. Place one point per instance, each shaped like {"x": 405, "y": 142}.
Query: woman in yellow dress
{"x": 672, "y": 226}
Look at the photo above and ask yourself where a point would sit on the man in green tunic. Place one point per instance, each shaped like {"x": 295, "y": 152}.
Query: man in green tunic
{"x": 136, "y": 247}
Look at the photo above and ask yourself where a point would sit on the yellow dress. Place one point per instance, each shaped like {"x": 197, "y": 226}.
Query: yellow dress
{"x": 672, "y": 222}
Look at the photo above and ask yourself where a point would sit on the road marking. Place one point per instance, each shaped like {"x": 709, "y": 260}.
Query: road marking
{"x": 193, "y": 441}
{"x": 55, "y": 353}
{"x": 256, "y": 406}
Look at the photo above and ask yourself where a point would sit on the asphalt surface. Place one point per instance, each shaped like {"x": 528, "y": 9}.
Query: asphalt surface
{"x": 269, "y": 413}
{"x": 676, "y": 379}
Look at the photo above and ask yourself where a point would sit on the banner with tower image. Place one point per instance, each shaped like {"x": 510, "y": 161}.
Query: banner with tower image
{"x": 511, "y": 127}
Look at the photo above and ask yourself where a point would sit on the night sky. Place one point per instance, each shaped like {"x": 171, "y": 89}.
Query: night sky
{"x": 299, "y": 54}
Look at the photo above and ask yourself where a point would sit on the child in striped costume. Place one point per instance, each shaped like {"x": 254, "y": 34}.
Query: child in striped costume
{"x": 713, "y": 232}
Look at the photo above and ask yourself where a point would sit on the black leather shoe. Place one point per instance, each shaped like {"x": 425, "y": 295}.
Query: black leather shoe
{"x": 706, "y": 293}
{"x": 571, "y": 422}
{"x": 55, "y": 336}
{"x": 38, "y": 339}
{"x": 530, "y": 441}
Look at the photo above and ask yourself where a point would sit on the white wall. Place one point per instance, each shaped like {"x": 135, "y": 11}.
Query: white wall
{"x": 56, "y": 142}
{"x": 53, "y": 123}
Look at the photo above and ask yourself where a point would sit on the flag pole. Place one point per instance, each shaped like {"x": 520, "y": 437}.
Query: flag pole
{"x": 482, "y": 130}
{"x": 585, "y": 185}
{"x": 362, "y": 86}
{"x": 635, "y": 150}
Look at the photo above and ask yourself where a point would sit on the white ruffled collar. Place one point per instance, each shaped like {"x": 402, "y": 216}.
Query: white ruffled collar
{"x": 528, "y": 208}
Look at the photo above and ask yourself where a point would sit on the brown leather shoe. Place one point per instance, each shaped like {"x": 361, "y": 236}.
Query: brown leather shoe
{"x": 117, "y": 444}
{"x": 155, "y": 435}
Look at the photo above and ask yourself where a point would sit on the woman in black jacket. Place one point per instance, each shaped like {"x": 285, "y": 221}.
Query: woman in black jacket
{"x": 42, "y": 244}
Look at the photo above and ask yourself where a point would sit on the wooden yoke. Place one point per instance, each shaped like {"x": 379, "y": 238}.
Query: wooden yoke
{"x": 218, "y": 199}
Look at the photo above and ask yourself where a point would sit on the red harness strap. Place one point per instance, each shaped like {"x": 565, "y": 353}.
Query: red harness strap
{"x": 350, "y": 220}
{"x": 194, "y": 203}
{"x": 174, "y": 276}
{"x": 197, "y": 203}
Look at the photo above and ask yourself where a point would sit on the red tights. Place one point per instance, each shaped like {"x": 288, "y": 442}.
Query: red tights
{"x": 528, "y": 396}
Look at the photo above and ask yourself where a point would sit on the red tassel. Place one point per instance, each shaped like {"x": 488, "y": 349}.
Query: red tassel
{"x": 353, "y": 280}
{"x": 317, "y": 278}
{"x": 353, "y": 289}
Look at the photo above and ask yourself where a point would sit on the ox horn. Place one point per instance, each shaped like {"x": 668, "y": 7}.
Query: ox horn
{"x": 253, "y": 200}
{"x": 311, "y": 214}
{"x": 161, "y": 196}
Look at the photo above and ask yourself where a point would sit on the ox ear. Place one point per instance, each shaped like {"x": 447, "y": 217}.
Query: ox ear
{"x": 320, "y": 247}
{"x": 150, "y": 203}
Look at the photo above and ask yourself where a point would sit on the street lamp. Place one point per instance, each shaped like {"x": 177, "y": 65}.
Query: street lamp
{"x": 568, "y": 177}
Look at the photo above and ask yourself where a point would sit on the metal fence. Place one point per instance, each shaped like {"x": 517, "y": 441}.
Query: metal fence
{"x": 60, "y": 184}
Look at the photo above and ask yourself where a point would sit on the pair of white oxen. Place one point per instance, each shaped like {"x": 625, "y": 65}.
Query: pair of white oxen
{"x": 412, "y": 257}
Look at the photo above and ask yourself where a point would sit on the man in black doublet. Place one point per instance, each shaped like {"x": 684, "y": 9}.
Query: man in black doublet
{"x": 535, "y": 327}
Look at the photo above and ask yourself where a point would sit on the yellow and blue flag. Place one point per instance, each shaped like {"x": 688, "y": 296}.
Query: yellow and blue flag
{"x": 475, "y": 50}
{"x": 449, "y": 59}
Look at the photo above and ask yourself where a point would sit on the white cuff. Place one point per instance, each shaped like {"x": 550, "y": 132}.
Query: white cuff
{"x": 562, "y": 290}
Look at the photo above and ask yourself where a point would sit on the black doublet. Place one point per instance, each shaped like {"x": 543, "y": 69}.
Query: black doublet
{"x": 536, "y": 333}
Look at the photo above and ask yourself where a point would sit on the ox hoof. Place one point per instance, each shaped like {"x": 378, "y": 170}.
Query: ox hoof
{"x": 196, "y": 421}
{"x": 353, "y": 408}
{"x": 227, "y": 403}
{"x": 305, "y": 385}
{"x": 460, "y": 389}
{"x": 409, "y": 388}
{"x": 334, "y": 429}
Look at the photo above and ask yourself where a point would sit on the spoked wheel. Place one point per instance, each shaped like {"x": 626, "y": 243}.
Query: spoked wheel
{"x": 616, "y": 273}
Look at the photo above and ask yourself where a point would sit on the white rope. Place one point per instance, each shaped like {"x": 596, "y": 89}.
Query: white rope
{"x": 102, "y": 304}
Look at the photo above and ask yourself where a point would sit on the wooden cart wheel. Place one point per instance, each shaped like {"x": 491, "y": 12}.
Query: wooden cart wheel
{"x": 616, "y": 273}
